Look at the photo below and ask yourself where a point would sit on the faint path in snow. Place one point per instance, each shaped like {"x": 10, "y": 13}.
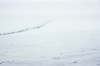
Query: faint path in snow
{"x": 27, "y": 29}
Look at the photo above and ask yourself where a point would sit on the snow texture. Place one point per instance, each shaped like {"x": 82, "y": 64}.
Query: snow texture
{"x": 73, "y": 48}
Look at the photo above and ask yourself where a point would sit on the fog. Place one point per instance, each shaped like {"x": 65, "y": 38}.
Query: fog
{"x": 63, "y": 33}
{"x": 65, "y": 15}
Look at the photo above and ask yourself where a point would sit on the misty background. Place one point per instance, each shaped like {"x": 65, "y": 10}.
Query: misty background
{"x": 71, "y": 38}
{"x": 66, "y": 15}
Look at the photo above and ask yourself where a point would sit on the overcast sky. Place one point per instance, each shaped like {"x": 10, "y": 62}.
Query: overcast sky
{"x": 66, "y": 15}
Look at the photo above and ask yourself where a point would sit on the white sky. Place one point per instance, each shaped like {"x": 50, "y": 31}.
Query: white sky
{"x": 67, "y": 15}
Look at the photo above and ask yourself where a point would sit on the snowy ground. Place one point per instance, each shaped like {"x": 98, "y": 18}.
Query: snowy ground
{"x": 73, "y": 48}
{"x": 72, "y": 38}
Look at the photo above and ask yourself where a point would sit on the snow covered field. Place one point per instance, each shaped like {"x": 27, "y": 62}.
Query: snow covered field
{"x": 71, "y": 38}
{"x": 73, "y": 48}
